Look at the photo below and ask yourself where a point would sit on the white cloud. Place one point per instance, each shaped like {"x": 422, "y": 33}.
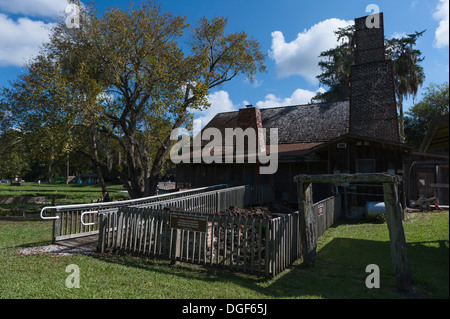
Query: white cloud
{"x": 441, "y": 14}
{"x": 255, "y": 83}
{"x": 220, "y": 102}
{"x": 21, "y": 40}
{"x": 300, "y": 96}
{"x": 301, "y": 56}
{"x": 35, "y": 8}
{"x": 398, "y": 35}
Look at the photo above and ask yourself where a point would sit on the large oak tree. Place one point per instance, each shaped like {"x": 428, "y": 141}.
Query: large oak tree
{"x": 134, "y": 76}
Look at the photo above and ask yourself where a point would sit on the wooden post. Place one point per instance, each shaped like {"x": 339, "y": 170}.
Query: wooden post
{"x": 177, "y": 258}
{"x": 309, "y": 256}
{"x": 308, "y": 223}
{"x": 56, "y": 227}
{"x": 102, "y": 233}
{"x": 23, "y": 206}
{"x": 399, "y": 252}
{"x": 301, "y": 215}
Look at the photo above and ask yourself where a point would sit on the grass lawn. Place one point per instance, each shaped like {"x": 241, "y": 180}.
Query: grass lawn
{"x": 344, "y": 252}
{"x": 63, "y": 194}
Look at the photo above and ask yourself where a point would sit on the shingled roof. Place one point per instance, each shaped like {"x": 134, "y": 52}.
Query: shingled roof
{"x": 309, "y": 123}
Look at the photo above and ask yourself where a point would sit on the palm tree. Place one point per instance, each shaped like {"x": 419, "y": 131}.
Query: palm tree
{"x": 408, "y": 74}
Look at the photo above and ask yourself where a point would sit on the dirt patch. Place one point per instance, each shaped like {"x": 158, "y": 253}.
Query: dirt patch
{"x": 84, "y": 245}
{"x": 55, "y": 250}
{"x": 264, "y": 212}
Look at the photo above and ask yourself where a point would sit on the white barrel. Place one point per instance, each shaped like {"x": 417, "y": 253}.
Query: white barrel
{"x": 375, "y": 209}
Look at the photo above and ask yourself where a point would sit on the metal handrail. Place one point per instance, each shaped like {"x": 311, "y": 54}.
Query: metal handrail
{"x": 124, "y": 202}
{"x": 50, "y": 217}
{"x": 187, "y": 198}
{"x": 90, "y": 212}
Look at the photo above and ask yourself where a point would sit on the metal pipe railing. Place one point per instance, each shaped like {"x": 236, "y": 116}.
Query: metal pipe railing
{"x": 130, "y": 202}
{"x": 208, "y": 202}
{"x": 69, "y": 220}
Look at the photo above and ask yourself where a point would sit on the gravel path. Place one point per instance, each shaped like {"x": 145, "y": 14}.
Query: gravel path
{"x": 56, "y": 250}
{"x": 86, "y": 246}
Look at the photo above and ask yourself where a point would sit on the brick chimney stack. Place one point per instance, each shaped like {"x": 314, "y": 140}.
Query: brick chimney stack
{"x": 373, "y": 109}
{"x": 250, "y": 117}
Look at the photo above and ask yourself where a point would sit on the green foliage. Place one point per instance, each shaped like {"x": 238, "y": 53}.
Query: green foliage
{"x": 335, "y": 65}
{"x": 435, "y": 102}
{"x": 408, "y": 73}
{"x": 125, "y": 79}
{"x": 13, "y": 155}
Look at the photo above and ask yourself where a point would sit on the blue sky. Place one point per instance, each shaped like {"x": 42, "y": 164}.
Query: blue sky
{"x": 291, "y": 32}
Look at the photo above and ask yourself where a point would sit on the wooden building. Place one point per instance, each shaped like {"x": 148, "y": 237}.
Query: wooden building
{"x": 358, "y": 135}
{"x": 426, "y": 172}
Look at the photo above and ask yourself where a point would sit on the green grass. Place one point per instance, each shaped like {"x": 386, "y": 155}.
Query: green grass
{"x": 343, "y": 253}
{"x": 63, "y": 194}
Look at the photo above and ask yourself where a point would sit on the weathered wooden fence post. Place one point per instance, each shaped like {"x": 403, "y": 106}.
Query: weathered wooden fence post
{"x": 56, "y": 227}
{"x": 399, "y": 254}
{"x": 301, "y": 215}
{"x": 102, "y": 232}
{"x": 307, "y": 223}
{"x": 177, "y": 257}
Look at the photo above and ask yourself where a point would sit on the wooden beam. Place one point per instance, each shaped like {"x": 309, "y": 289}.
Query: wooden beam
{"x": 439, "y": 185}
{"x": 348, "y": 178}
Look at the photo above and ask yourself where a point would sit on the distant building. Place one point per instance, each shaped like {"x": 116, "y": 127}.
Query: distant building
{"x": 427, "y": 170}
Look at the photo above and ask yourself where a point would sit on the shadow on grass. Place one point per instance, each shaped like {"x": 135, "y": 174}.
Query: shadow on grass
{"x": 339, "y": 272}
{"x": 36, "y": 244}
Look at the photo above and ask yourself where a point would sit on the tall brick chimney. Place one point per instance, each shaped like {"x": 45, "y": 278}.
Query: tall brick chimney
{"x": 373, "y": 109}
{"x": 250, "y": 117}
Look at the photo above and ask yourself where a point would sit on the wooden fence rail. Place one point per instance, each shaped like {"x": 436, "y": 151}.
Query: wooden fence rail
{"x": 251, "y": 245}
{"x": 328, "y": 212}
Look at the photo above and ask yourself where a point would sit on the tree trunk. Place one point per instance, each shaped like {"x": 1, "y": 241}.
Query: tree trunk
{"x": 67, "y": 170}
{"x": 101, "y": 180}
{"x": 401, "y": 121}
{"x": 152, "y": 179}
{"x": 135, "y": 177}
{"x": 97, "y": 166}
{"x": 50, "y": 176}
